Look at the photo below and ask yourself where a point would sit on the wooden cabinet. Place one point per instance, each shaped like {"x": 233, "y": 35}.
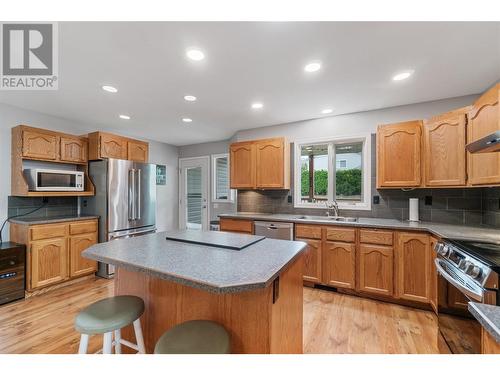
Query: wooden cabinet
{"x": 242, "y": 165}
{"x": 413, "y": 266}
{"x": 48, "y": 262}
{"x": 54, "y": 251}
{"x": 399, "y": 155}
{"x": 444, "y": 149}
{"x": 376, "y": 236}
{"x": 74, "y": 150}
{"x": 137, "y": 151}
{"x": 260, "y": 164}
{"x": 312, "y": 260}
{"x": 375, "y": 269}
{"x": 308, "y": 231}
{"x": 105, "y": 145}
{"x": 433, "y": 276}
{"x": 484, "y": 119}
{"x": 79, "y": 265}
{"x": 339, "y": 264}
{"x": 488, "y": 343}
{"x": 37, "y": 144}
{"x": 271, "y": 171}
{"x": 236, "y": 225}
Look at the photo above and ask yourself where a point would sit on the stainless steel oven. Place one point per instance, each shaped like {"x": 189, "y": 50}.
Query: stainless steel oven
{"x": 463, "y": 276}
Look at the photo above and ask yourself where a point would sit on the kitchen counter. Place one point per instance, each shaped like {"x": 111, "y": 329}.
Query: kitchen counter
{"x": 215, "y": 269}
{"x": 488, "y": 316}
{"x": 50, "y": 220}
{"x": 438, "y": 229}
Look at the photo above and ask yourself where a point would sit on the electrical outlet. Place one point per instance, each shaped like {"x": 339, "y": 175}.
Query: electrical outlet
{"x": 376, "y": 199}
{"x": 45, "y": 200}
{"x": 428, "y": 200}
{"x": 289, "y": 199}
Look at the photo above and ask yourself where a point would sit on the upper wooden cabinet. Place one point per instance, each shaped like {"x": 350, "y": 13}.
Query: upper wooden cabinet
{"x": 399, "y": 155}
{"x": 484, "y": 119}
{"x": 74, "y": 149}
{"x": 413, "y": 267}
{"x": 37, "y": 144}
{"x": 105, "y": 145}
{"x": 260, "y": 164}
{"x": 444, "y": 149}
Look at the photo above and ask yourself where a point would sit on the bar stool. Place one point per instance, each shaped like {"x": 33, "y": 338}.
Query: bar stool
{"x": 111, "y": 315}
{"x": 194, "y": 337}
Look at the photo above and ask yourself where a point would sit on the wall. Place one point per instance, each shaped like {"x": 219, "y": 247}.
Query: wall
{"x": 167, "y": 208}
{"x": 207, "y": 149}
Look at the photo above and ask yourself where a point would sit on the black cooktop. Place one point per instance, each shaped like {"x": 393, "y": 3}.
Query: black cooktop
{"x": 486, "y": 252}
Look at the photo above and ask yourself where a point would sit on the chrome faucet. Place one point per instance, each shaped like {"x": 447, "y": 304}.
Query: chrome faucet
{"x": 333, "y": 205}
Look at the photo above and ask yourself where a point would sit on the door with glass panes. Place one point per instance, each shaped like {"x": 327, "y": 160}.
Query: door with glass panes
{"x": 193, "y": 193}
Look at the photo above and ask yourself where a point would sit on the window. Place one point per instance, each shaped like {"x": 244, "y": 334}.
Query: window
{"x": 220, "y": 177}
{"x": 336, "y": 169}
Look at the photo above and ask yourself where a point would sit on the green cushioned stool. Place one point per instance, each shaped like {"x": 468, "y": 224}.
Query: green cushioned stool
{"x": 111, "y": 315}
{"x": 195, "y": 337}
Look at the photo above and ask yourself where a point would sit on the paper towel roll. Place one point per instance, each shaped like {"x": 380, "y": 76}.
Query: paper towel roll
{"x": 413, "y": 209}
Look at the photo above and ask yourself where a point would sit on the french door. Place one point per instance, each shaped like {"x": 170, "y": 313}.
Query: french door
{"x": 193, "y": 193}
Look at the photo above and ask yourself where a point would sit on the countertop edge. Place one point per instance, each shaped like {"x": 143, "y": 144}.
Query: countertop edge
{"x": 487, "y": 324}
{"x": 49, "y": 220}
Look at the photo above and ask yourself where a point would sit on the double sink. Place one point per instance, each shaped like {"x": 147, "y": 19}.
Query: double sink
{"x": 344, "y": 219}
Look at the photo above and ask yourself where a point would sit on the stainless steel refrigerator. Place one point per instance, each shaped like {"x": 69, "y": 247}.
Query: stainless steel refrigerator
{"x": 125, "y": 200}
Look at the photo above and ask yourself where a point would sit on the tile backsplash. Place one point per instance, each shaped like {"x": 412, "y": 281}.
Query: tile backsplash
{"x": 56, "y": 206}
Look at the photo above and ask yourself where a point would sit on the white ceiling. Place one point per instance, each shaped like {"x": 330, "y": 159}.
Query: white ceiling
{"x": 247, "y": 62}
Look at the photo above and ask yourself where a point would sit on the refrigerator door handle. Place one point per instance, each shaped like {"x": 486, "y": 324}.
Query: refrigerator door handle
{"x": 138, "y": 195}
{"x": 131, "y": 194}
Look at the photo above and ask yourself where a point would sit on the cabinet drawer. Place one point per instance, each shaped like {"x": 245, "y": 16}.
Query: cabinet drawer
{"x": 308, "y": 231}
{"x": 341, "y": 234}
{"x": 83, "y": 227}
{"x": 41, "y": 232}
{"x": 374, "y": 236}
{"x": 234, "y": 225}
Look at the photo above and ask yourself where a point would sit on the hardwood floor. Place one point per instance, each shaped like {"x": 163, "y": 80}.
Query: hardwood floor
{"x": 333, "y": 323}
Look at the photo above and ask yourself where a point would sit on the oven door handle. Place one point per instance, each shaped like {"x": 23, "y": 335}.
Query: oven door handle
{"x": 468, "y": 292}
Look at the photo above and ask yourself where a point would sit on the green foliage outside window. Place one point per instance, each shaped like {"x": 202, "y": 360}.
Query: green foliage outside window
{"x": 348, "y": 182}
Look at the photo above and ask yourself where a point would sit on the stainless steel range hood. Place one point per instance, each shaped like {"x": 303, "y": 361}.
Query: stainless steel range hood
{"x": 490, "y": 143}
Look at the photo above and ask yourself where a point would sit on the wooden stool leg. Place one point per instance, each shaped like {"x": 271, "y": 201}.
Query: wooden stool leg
{"x": 138, "y": 336}
{"x": 84, "y": 343}
{"x": 107, "y": 343}
{"x": 118, "y": 345}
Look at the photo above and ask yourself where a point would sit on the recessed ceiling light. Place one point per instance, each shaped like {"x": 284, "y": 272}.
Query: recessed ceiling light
{"x": 257, "y": 105}
{"x": 195, "y": 54}
{"x": 312, "y": 67}
{"x": 185, "y": 119}
{"x": 326, "y": 111}
{"x": 125, "y": 117}
{"x": 190, "y": 98}
{"x": 109, "y": 88}
{"x": 402, "y": 76}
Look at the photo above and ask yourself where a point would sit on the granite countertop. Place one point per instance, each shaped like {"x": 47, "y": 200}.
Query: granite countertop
{"x": 440, "y": 230}
{"x": 488, "y": 316}
{"x": 50, "y": 220}
{"x": 214, "y": 269}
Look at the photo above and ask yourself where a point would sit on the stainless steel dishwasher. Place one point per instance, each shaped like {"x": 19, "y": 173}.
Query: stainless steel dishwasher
{"x": 278, "y": 230}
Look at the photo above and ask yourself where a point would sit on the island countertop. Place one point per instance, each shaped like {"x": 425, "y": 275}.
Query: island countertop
{"x": 215, "y": 269}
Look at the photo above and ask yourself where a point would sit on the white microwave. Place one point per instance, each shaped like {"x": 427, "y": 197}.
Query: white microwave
{"x": 54, "y": 180}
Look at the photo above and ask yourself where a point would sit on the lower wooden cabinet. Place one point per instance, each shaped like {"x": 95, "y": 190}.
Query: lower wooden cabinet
{"x": 339, "y": 264}
{"x": 54, "y": 251}
{"x": 488, "y": 343}
{"x": 312, "y": 260}
{"x": 433, "y": 277}
{"x": 236, "y": 225}
{"x": 413, "y": 266}
{"x": 375, "y": 269}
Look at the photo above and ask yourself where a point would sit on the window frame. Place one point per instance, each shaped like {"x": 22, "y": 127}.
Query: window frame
{"x": 365, "y": 139}
{"x": 231, "y": 195}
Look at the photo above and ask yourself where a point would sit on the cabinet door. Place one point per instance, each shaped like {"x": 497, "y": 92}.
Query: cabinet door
{"x": 312, "y": 260}
{"x": 242, "y": 164}
{"x": 74, "y": 150}
{"x": 270, "y": 164}
{"x": 339, "y": 263}
{"x": 49, "y": 262}
{"x": 413, "y": 260}
{"x": 433, "y": 277}
{"x": 138, "y": 151}
{"x": 444, "y": 149}
{"x": 456, "y": 299}
{"x": 236, "y": 225}
{"x": 399, "y": 154}
{"x": 484, "y": 119}
{"x": 78, "y": 265}
{"x": 113, "y": 147}
{"x": 39, "y": 145}
{"x": 376, "y": 269}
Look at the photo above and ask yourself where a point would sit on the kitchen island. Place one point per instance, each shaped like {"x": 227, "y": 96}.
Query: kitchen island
{"x": 254, "y": 292}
